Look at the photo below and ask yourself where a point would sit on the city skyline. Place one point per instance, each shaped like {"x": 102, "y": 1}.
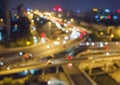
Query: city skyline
{"x": 83, "y": 5}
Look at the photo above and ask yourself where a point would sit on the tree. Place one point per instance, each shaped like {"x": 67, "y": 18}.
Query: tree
{"x": 8, "y": 81}
{"x": 34, "y": 80}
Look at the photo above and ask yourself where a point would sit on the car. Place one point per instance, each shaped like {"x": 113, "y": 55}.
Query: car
{"x": 26, "y": 55}
{"x": 50, "y": 61}
{"x": 46, "y": 59}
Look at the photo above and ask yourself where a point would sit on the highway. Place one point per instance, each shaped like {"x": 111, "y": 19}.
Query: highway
{"x": 97, "y": 52}
{"x": 77, "y": 77}
{"x": 34, "y": 64}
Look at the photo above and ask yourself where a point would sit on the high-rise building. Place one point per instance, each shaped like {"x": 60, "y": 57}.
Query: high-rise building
{"x": 21, "y": 10}
{"x": 5, "y": 15}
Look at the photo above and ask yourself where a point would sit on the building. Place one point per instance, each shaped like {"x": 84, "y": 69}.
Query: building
{"x": 5, "y": 16}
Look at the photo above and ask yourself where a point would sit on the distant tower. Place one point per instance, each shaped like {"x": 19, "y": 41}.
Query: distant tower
{"x": 21, "y": 10}
{"x": 5, "y": 14}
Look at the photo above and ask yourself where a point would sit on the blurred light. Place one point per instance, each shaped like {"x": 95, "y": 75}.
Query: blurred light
{"x": 37, "y": 19}
{"x": 83, "y": 32}
{"x": 8, "y": 68}
{"x": 59, "y": 15}
{"x": 66, "y": 37}
{"x": 57, "y": 8}
{"x": 106, "y": 43}
{"x": 32, "y": 71}
{"x": 17, "y": 17}
{"x": 87, "y": 43}
{"x": 100, "y": 42}
{"x": 107, "y": 53}
{"x": 102, "y": 17}
{"x": 1, "y": 63}
{"x": 15, "y": 25}
{"x": 1, "y": 36}
{"x": 56, "y": 43}
{"x": 101, "y": 33}
{"x": 72, "y": 20}
{"x": 92, "y": 43}
{"x": 21, "y": 53}
{"x": 107, "y": 10}
{"x": 42, "y": 34}
{"x": 58, "y": 25}
{"x": 70, "y": 29}
{"x": 32, "y": 21}
{"x": 28, "y": 42}
{"x": 69, "y": 57}
{"x": 74, "y": 34}
{"x": 31, "y": 15}
{"x": 25, "y": 72}
{"x": 96, "y": 16}
{"x": 108, "y": 17}
{"x": 70, "y": 64}
{"x": 115, "y": 17}
{"x": 64, "y": 42}
{"x": 65, "y": 24}
{"x": 65, "y": 20}
{"x": 118, "y": 11}
{"x": 28, "y": 13}
{"x": 67, "y": 31}
{"x": 34, "y": 28}
{"x": 101, "y": 45}
{"x": 112, "y": 35}
{"x": 26, "y": 56}
{"x": 1, "y": 19}
{"x": 58, "y": 38}
{"x": 43, "y": 40}
{"x": 78, "y": 11}
{"x": 81, "y": 36}
{"x": 60, "y": 9}
{"x": 28, "y": 9}
{"x": 82, "y": 44}
{"x": 55, "y": 81}
{"x": 95, "y": 10}
{"x": 117, "y": 43}
{"x": 48, "y": 46}
{"x": 63, "y": 29}
{"x": 35, "y": 39}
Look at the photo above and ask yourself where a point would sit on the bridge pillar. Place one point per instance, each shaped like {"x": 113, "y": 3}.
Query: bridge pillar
{"x": 57, "y": 69}
{"x": 107, "y": 65}
{"x": 43, "y": 71}
{"x": 90, "y": 67}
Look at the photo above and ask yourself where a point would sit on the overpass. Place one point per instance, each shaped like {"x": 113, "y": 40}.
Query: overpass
{"x": 74, "y": 73}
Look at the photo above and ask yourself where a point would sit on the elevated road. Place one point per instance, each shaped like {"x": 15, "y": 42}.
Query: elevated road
{"x": 77, "y": 77}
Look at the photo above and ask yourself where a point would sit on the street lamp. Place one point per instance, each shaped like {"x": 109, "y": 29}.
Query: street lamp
{"x": 49, "y": 26}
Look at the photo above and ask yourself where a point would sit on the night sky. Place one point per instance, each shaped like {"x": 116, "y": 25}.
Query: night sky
{"x": 83, "y": 5}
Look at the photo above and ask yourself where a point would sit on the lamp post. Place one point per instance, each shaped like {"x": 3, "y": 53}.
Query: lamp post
{"x": 49, "y": 26}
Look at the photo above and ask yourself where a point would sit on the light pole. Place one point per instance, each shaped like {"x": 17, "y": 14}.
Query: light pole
{"x": 49, "y": 26}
